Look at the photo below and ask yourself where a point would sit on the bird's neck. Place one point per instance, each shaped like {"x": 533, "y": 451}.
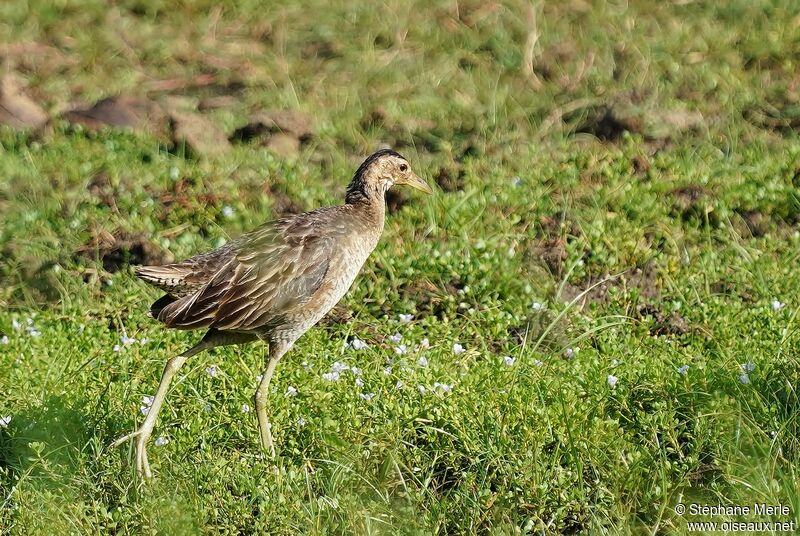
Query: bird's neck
{"x": 368, "y": 198}
{"x": 372, "y": 210}
{"x": 363, "y": 188}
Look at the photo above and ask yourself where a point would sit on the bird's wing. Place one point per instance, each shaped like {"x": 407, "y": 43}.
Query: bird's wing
{"x": 187, "y": 277}
{"x": 272, "y": 270}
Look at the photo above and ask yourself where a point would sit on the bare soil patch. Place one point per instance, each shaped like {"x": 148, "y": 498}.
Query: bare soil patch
{"x": 119, "y": 249}
{"x": 17, "y": 109}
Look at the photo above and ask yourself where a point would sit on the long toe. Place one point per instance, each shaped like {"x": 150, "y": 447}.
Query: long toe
{"x": 123, "y": 439}
{"x": 142, "y": 465}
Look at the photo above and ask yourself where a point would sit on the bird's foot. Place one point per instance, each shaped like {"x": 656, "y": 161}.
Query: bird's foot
{"x": 124, "y": 438}
{"x": 142, "y": 435}
{"x": 142, "y": 466}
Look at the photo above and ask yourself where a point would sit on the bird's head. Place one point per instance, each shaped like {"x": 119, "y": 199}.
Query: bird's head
{"x": 381, "y": 171}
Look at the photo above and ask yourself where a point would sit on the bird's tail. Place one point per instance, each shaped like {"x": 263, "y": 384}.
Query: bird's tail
{"x": 165, "y": 277}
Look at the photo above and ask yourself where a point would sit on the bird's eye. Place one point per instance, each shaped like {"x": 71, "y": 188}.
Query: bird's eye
{"x": 403, "y": 167}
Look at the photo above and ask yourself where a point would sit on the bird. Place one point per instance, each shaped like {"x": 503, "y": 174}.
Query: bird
{"x": 272, "y": 284}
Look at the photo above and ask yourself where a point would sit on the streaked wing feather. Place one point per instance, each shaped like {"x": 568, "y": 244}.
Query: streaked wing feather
{"x": 272, "y": 271}
{"x": 186, "y": 277}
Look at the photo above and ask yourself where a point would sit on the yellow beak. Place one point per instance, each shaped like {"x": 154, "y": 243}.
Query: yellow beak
{"x": 416, "y": 182}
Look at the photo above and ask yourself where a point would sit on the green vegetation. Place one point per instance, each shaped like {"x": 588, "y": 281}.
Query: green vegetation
{"x": 633, "y": 167}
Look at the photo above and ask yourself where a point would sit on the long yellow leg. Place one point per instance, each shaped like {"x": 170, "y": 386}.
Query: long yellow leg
{"x": 144, "y": 432}
{"x": 276, "y": 351}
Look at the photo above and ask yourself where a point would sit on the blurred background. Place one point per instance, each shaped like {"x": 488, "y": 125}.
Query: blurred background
{"x": 457, "y": 86}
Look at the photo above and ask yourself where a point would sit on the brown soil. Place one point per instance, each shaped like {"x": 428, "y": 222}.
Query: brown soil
{"x": 282, "y": 131}
{"x": 121, "y": 111}
{"x": 17, "y": 109}
{"x": 282, "y": 203}
{"x": 121, "y": 249}
{"x": 197, "y": 134}
{"x": 450, "y": 178}
{"x": 664, "y": 324}
{"x": 644, "y": 280}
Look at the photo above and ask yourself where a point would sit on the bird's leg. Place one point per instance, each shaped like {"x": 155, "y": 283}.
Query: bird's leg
{"x": 144, "y": 432}
{"x": 276, "y": 351}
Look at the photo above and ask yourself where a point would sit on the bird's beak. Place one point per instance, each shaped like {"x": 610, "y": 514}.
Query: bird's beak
{"x": 416, "y": 182}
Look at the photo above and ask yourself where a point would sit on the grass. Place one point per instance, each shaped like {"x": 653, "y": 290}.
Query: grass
{"x": 652, "y": 249}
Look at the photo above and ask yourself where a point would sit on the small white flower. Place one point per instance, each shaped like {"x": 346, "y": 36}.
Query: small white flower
{"x": 339, "y": 367}
{"x": 537, "y": 306}
{"x": 359, "y": 382}
{"x": 421, "y": 388}
{"x": 443, "y": 387}
{"x": 457, "y": 348}
{"x": 208, "y": 408}
{"x": 401, "y": 349}
{"x": 773, "y": 434}
{"x": 245, "y": 408}
{"x": 174, "y": 173}
{"x": 744, "y": 379}
{"x": 356, "y": 371}
{"x": 147, "y": 401}
{"x": 366, "y": 396}
{"x": 612, "y": 380}
{"x": 405, "y": 318}
{"x": 161, "y": 441}
{"x": 125, "y": 341}
{"x": 16, "y": 325}
{"x": 508, "y": 360}
{"x": 228, "y": 211}
{"x": 569, "y": 353}
{"x": 358, "y": 344}
{"x": 33, "y": 332}
{"x": 683, "y": 370}
{"x": 4, "y": 339}
{"x": 212, "y": 371}
{"x": 290, "y": 392}
{"x": 331, "y": 376}
{"x": 516, "y": 181}
{"x": 422, "y": 361}
{"x": 399, "y": 384}
{"x": 387, "y": 371}
{"x": 396, "y": 337}
{"x": 307, "y": 365}
{"x": 5, "y": 421}
{"x": 615, "y": 362}
{"x": 301, "y": 421}
{"x": 777, "y": 305}
{"x": 538, "y": 363}
{"x": 259, "y": 378}
{"x": 748, "y": 367}
{"x": 425, "y": 343}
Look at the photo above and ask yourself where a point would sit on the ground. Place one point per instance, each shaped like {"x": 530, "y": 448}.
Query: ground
{"x": 592, "y": 321}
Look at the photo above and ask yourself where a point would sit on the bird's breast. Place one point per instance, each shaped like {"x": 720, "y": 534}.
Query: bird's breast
{"x": 345, "y": 264}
